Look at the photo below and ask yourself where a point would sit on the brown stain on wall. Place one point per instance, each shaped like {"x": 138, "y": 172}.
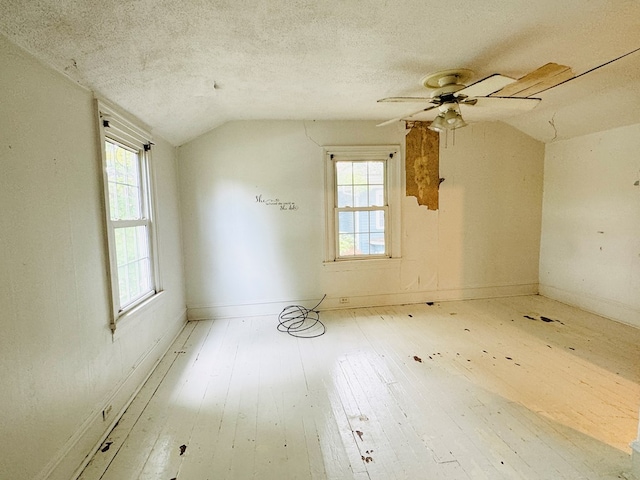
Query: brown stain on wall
{"x": 422, "y": 164}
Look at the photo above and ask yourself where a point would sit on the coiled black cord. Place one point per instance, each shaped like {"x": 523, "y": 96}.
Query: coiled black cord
{"x": 301, "y": 322}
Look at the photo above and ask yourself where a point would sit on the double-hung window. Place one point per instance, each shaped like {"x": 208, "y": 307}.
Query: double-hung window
{"x": 363, "y": 218}
{"x": 126, "y": 153}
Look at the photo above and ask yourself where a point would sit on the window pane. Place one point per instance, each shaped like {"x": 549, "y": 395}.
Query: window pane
{"x": 346, "y": 245}
{"x": 376, "y": 173}
{"x": 376, "y": 220}
{"x": 123, "y": 175}
{"x": 134, "y": 264}
{"x": 362, "y": 221}
{"x": 345, "y": 196}
{"x": 360, "y": 176}
{"x": 345, "y": 222}
{"x": 362, "y": 243}
{"x": 376, "y": 196}
{"x": 376, "y": 243}
{"x": 344, "y": 173}
{"x": 361, "y": 196}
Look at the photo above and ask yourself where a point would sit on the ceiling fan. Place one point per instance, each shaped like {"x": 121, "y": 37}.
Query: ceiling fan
{"x": 450, "y": 94}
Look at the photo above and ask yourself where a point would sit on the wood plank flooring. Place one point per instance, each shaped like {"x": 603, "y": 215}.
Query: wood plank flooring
{"x": 510, "y": 388}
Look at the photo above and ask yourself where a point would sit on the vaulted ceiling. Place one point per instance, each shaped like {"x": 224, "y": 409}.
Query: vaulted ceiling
{"x": 185, "y": 67}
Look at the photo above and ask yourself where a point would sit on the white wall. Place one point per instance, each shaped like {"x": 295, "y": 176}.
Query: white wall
{"x": 590, "y": 246}
{"x": 242, "y": 256}
{"x": 59, "y": 364}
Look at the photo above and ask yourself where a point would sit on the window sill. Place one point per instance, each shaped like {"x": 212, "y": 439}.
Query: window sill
{"x": 127, "y": 318}
{"x": 362, "y": 264}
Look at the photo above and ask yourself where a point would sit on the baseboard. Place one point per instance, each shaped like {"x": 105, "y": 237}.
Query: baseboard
{"x": 79, "y": 449}
{"x": 244, "y": 310}
{"x": 600, "y": 306}
{"x": 334, "y": 303}
{"x": 634, "y": 473}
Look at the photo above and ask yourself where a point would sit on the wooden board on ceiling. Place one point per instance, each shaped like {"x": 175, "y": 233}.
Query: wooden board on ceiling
{"x": 541, "y": 79}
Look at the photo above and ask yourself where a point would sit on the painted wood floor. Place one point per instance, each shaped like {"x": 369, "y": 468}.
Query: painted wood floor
{"x": 482, "y": 389}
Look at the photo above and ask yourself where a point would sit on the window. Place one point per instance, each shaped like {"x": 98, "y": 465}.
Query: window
{"x": 363, "y": 218}
{"x": 126, "y": 152}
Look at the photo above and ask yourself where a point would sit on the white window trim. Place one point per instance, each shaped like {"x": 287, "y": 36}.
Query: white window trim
{"x": 392, "y": 155}
{"x": 125, "y": 132}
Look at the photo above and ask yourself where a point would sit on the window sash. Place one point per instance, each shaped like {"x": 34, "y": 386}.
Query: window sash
{"x": 129, "y": 183}
{"x": 133, "y": 261}
{"x": 133, "y": 265}
{"x": 365, "y": 240}
{"x": 354, "y": 177}
{"x": 130, "y": 225}
{"x": 389, "y": 218}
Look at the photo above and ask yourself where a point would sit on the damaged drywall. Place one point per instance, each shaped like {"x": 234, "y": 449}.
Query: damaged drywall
{"x": 422, "y": 164}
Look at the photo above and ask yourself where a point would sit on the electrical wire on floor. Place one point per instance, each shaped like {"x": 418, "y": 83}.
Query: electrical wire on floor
{"x": 301, "y": 322}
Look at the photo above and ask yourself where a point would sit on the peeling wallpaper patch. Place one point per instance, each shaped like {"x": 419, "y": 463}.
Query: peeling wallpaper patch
{"x": 423, "y": 164}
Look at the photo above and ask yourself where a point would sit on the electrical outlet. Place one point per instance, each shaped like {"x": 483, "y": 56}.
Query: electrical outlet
{"x": 344, "y": 299}
{"x": 106, "y": 412}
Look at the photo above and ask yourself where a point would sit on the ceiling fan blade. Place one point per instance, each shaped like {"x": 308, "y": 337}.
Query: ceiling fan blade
{"x": 533, "y": 82}
{"x": 511, "y": 103}
{"x": 405, "y": 99}
{"x": 397, "y": 119}
{"x": 591, "y": 70}
{"x": 486, "y": 86}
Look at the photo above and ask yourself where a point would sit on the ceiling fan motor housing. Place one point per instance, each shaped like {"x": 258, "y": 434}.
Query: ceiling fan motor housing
{"x": 447, "y": 82}
{"x": 446, "y": 90}
{"x": 447, "y": 77}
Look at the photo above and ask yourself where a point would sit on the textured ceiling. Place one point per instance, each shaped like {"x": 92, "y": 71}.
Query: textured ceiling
{"x": 185, "y": 67}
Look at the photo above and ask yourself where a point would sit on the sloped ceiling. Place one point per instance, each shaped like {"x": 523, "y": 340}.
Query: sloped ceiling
{"x": 185, "y": 67}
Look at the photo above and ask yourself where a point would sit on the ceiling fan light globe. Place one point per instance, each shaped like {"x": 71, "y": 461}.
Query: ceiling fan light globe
{"x": 458, "y": 123}
{"x": 451, "y": 116}
{"x": 438, "y": 124}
